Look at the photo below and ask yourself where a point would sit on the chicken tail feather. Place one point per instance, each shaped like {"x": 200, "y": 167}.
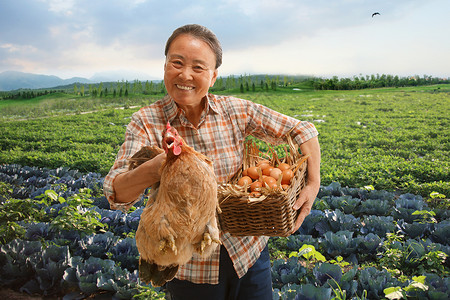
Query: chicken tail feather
{"x": 157, "y": 275}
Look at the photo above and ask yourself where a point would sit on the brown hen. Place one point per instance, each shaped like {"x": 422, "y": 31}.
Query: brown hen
{"x": 180, "y": 216}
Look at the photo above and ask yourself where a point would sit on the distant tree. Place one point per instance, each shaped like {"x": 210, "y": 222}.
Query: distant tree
{"x": 137, "y": 87}
{"x": 127, "y": 86}
{"x": 219, "y": 84}
{"x": 162, "y": 87}
{"x": 273, "y": 85}
{"x": 100, "y": 89}
{"x": 152, "y": 87}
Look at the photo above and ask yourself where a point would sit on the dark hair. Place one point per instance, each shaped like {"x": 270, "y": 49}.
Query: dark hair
{"x": 202, "y": 33}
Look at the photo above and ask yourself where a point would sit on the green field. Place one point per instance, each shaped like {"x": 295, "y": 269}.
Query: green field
{"x": 394, "y": 139}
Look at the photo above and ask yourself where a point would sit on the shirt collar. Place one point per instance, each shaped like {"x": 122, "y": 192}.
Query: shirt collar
{"x": 171, "y": 109}
{"x": 212, "y": 103}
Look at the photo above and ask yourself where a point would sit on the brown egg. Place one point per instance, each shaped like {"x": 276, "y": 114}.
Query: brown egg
{"x": 267, "y": 170}
{"x": 264, "y": 166}
{"x": 244, "y": 173}
{"x": 285, "y": 186}
{"x": 276, "y": 173}
{"x": 287, "y": 176}
{"x": 270, "y": 181}
{"x": 256, "y": 186}
{"x": 272, "y": 184}
{"x": 255, "y": 194}
{"x": 261, "y": 162}
{"x": 253, "y": 172}
{"x": 246, "y": 180}
{"x": 284, "y": 166}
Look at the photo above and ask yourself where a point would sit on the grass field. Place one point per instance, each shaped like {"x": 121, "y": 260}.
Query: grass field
{"x": 391, "y": 138}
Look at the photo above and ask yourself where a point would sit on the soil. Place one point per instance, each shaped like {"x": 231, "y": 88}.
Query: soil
{"x": 13, "y": 295}
{"x": 9, "y": 294}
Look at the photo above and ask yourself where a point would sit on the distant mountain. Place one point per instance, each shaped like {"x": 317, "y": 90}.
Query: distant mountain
{"x": 119, "y": 75}
{"x": 13, "y": 80}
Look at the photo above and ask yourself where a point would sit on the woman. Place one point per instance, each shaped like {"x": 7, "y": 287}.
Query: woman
{"x": 216, "y": 126}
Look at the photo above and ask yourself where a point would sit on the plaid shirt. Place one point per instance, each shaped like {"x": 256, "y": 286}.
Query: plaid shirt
{"x": 220, "y": 135}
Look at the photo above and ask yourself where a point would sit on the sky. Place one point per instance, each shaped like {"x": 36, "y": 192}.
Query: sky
{"x": 324, "y": 38}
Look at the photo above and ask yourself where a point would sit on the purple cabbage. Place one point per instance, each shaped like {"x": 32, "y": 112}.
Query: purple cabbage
{"x": 311, "y": 292}
{"x": 346, "y": 204}
{"x": 286, "y": 271}
{"x": 335, "y": 221}
{"x": 339, "y": 243}
{"x": 326, "y": 273}
{"x": 441, "y": 233}
{"x": 378, "y": 225}
{"x": 369, "y": 244}
{"x": 126, "y": 252}
{"x": 96, "y": 245}
{"x": 376, "y": 207}
{"x": 375, "y": 281}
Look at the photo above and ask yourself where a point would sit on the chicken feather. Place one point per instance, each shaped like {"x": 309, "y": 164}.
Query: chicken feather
{"x": 180, "y": 218}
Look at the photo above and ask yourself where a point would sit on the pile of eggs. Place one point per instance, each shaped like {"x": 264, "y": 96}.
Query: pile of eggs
{"x": 266, "y": 175}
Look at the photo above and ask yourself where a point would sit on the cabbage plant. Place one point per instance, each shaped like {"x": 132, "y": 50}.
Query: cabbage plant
{"x": 339, "y": 243}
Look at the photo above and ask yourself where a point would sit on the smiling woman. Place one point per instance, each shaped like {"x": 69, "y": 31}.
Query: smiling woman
{"x": 217, "y": 127}
{"x": 189, "y": 72}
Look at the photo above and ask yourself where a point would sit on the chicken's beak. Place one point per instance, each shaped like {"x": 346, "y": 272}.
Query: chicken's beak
{"x": 171, "y": 142}
{"x": 169, "y": 139}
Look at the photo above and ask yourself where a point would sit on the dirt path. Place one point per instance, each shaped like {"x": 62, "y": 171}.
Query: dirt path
{"x": 71, "y": 114}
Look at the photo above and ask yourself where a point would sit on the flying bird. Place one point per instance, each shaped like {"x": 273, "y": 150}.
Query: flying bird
{"x": 375, "y": 13}
{"x": 180, "y": 218}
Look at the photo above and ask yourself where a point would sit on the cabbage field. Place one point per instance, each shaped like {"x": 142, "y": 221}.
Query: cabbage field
{"x": 379, "y": 228}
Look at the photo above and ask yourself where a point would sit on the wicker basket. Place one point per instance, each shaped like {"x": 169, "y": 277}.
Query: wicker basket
{"x": 271, "y": 214}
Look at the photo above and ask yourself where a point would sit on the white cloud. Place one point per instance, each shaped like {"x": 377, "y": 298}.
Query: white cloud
{"x": 287, "y": 36}
{"x": 61, "y": 6}
{"x": 14, "y": 48}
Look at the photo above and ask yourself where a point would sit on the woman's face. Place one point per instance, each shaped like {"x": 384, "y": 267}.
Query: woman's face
{"x": 189, "y": 71}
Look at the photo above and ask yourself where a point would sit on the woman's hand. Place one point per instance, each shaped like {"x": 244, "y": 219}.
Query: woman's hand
{"x": 311, "y": 189}
{"x": 304, "y": 203}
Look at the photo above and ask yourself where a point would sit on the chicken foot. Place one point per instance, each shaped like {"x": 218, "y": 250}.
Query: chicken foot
{"x": 210, "y": 235}
{"x": 167, "y": 241}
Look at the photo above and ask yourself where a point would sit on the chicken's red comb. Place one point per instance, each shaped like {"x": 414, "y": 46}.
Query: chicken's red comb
{"x": 168, "y": 125}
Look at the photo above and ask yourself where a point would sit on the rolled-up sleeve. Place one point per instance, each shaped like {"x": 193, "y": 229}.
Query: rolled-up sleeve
{"x": 303, "y": 132}
{"x": 135, "y": 138}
